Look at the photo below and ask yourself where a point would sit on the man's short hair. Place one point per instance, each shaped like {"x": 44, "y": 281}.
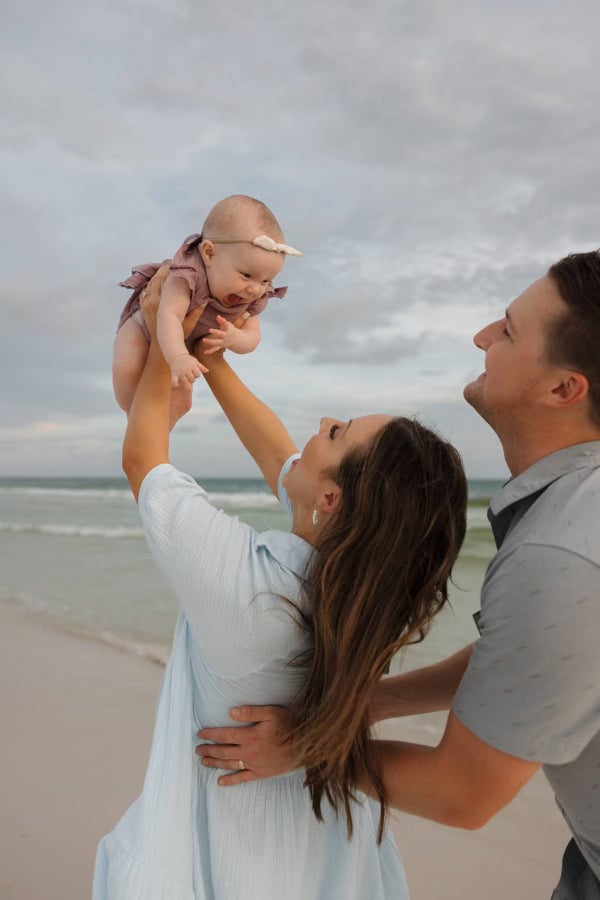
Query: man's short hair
{"x": 573, "y": 339}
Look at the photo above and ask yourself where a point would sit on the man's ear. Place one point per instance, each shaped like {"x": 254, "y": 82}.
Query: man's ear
{"x": 207, "y": 252}
{"x": 573, "y": 388}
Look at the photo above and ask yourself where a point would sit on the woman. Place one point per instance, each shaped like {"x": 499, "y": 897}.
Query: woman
{"x": 308, "y": 619}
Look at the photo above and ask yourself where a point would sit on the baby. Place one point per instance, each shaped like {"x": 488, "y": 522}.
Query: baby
{"x": 229, "y": 267}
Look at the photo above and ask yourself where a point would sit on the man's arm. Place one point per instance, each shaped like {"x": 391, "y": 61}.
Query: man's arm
{"x": 425, "y": 690}
{"x": 146, "y": 442}
{"x": 462, "y": 782}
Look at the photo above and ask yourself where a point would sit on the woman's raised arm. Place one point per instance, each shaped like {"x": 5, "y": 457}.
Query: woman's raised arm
{"x": 258, "y": 428}
{"x": 146, "y": 442}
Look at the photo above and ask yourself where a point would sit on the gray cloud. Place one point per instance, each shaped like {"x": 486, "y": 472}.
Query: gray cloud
{"x": 426, "y": 157}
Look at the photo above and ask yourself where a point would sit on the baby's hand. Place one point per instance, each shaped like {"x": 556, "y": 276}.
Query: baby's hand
{"x": 223, "y": 338}
{"x": 184, "y": 371}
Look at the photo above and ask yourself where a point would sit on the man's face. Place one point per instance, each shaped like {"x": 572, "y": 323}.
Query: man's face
{"x": 517, "y": 375}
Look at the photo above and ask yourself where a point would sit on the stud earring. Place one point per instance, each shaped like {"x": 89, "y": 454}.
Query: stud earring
{"x": 315, "y": 518}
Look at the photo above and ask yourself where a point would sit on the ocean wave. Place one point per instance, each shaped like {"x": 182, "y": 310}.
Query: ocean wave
{"x": 477, "y": 518}
{"x": 157, "y": 653}
{"x": 84, "y": 531}
{"x": 476, "y": 521}
{"x": 96, "y": 493}
{"x": 240, "y": 500}
{"x": 60, "y": 619}
{"x": 233, "y": 499}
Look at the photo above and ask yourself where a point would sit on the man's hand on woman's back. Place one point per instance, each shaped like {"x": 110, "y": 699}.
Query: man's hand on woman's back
{"x": 249, "y": 752}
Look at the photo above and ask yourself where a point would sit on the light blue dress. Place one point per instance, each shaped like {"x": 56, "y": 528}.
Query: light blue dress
{"x": 186, "y": 838}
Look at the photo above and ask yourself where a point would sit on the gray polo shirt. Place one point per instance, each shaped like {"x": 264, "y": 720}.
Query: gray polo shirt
{"x": 532, "y": 687}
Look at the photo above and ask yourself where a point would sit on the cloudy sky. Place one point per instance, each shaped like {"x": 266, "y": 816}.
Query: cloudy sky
{"x": 430, "y": 158}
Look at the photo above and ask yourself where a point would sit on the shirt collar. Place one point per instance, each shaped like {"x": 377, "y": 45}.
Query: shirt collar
{"x": 290, "y": 550}
{"x": 543, "y": 472}
{"x": 513, "y": 500}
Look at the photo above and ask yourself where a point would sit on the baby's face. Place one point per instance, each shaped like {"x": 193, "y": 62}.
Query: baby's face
{"x": 239, "y": 273}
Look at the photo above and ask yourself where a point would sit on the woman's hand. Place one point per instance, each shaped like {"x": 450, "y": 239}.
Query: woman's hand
{"x": 251, "y": 753}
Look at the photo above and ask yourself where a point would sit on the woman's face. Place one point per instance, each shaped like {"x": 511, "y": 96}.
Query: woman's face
{"x": 324, "y": 451}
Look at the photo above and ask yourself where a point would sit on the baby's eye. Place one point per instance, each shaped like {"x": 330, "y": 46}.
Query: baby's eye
{"x": 245, "y": 275}
{"x": 332, "y": 431}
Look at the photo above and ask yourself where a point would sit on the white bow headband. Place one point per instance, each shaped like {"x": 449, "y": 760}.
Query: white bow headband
{"x": 263, "y": 241}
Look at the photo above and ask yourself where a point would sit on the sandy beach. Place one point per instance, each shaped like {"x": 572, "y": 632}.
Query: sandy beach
{"x": 77, "y": 722}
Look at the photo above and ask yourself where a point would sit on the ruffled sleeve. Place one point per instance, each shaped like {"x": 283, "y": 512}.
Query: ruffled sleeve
{"x": 186, "y": 262}
{"x": 259, "y": 306}
{"x": 140, "y": 275}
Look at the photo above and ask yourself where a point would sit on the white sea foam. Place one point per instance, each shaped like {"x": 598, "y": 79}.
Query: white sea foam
{"x": 158, "y": 653}
{"x": 109, "y": 589}
{"x": 151, "y": 650}
{"x": 477, "y": 517}
{"x": 255, "y": 500}
{"x": 237, "y": 500}
{"x": 96, "y": 493}
{"x": 83, "y": 531}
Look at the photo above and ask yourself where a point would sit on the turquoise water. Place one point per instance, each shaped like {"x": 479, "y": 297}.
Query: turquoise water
{"x": 73, "y": 550}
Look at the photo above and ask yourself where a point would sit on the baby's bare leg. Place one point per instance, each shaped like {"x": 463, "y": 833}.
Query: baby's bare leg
{"x": 129, "y": 356}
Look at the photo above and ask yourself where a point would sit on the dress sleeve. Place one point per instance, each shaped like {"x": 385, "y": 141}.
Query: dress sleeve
{"x": 227, "y": 583}
{"x": 281, "y": 491}
{"x": 199, "y": 549}
{"x": 260, "y": 305}
{"x": 257, "y": 307}
{"x": 532, "y": 687}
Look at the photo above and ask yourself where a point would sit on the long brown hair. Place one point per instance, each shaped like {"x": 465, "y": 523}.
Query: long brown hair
{"x": 378, "y": 577}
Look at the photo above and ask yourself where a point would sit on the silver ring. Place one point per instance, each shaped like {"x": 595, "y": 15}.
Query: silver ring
{"x": 241, "y": 764}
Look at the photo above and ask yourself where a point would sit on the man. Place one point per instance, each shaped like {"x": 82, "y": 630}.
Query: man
{"x": 527, "y": 693}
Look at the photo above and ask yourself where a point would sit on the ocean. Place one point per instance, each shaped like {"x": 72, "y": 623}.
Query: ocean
{"x": 73, "y": 550}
